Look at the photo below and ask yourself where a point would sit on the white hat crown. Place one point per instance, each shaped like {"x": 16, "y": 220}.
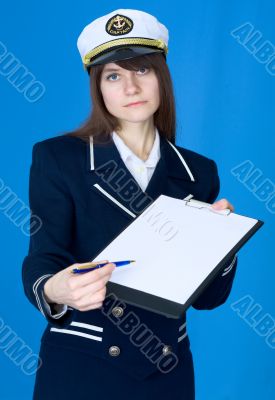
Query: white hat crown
{"x": 119, "y": 28}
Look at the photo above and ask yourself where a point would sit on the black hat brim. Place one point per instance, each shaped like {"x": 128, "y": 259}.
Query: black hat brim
{"x": 123, "y": 53}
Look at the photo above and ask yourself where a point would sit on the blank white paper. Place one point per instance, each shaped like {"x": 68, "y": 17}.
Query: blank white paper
{"x": 175, "y": 247}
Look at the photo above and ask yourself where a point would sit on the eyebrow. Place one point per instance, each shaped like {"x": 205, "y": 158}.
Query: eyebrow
{"x": 111, "y": 70}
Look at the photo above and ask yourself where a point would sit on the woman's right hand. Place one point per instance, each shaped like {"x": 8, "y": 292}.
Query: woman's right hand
{"x": 81, "y": 291}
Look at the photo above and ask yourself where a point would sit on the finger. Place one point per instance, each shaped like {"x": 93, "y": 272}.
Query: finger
{"x": 91, "y": 299}
{"x": 93, "y": 287}
{"x": 92, "y": 276}
{"x": 231, "y": 207}
{"x": 222, "y": 205}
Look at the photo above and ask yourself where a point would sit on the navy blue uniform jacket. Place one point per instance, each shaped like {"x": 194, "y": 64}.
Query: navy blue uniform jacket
{"x": 85, "y": 196}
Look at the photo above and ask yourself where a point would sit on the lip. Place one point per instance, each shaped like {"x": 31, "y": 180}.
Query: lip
{"x": 138, "y": 103}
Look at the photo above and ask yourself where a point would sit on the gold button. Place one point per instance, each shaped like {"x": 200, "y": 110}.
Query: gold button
{"x": 166, "y": 350}
{"x": 117, "y": 311}
{"x": 114, "y": 351}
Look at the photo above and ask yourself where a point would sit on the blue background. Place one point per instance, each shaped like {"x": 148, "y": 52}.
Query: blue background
{"x": 225, "y": 103}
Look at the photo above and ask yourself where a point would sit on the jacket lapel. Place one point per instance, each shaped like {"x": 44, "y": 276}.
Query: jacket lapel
{"x": 114, "y": 181}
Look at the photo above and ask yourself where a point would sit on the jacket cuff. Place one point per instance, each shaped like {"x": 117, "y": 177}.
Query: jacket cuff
{"x": 219, "y": 289}
{"x": 62, "y": 317}
{"x": 230, "y": 266}
{"x": 55, "y": 311}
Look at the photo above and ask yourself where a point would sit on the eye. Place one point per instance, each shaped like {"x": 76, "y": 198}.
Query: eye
{"x": 143, "y": 70}
{"x": 110, "y": 76}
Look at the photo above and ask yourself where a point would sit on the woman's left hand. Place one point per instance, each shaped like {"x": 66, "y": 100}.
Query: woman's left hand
{"x": 222, "y": 205}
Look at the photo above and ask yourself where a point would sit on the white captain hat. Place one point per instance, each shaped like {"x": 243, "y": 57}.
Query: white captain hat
{"x": 120, "y": 35}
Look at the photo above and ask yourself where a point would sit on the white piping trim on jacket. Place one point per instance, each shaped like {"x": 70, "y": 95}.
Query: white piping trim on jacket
{"x": 182, "y": 337}
{"x": 97, "y": 328}
{"x": 57, "y": 316}
{"x": 183, "y": 161}
{"x": 114, "y": 200}
{"x": 92, "y": 160}
{"x": 35, "y": 287}
{"x": 182, "y": 326}
{"x": 87, "y": 326}
{"x": 229, "y": 268}
{"x": 77, "y": 333}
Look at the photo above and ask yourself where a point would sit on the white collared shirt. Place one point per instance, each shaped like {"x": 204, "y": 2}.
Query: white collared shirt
{"x": 141, "y": 170}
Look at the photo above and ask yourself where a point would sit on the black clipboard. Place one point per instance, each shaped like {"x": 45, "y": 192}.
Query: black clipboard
{"x": 163, "y": 305}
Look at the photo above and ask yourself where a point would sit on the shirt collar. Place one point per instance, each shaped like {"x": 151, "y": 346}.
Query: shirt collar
{"x": 126, "y": 153}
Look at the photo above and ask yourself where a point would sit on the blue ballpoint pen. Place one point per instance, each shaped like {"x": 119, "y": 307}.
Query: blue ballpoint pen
{"x": 81, "y": 270}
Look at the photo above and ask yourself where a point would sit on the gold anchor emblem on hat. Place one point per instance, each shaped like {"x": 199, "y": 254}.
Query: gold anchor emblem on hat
{"x": 119, "y": 25}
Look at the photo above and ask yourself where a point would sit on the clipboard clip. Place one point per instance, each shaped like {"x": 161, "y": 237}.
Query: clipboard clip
{"x": 202, "y": 205}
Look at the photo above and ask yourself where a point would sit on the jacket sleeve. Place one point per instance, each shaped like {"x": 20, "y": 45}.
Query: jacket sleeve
{"x": 50, "y": 231}
{"x": 217, "y": 292}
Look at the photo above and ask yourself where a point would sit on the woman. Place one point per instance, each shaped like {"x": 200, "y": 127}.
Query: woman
{"x": 85, "y": 188}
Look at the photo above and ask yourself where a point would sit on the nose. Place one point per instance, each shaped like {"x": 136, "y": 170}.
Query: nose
{"x": 131, "y": 85}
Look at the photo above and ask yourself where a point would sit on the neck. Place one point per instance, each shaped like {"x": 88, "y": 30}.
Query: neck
{"x": 139, "y": 137}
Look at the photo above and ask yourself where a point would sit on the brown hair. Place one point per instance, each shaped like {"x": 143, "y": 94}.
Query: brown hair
{"x": 101, "y": 123}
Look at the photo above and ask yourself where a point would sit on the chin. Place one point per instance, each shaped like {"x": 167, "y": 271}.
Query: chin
{"x": 137, "y": 116}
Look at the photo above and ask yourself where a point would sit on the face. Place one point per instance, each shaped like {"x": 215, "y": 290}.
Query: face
{"x": 121, "y": 87}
